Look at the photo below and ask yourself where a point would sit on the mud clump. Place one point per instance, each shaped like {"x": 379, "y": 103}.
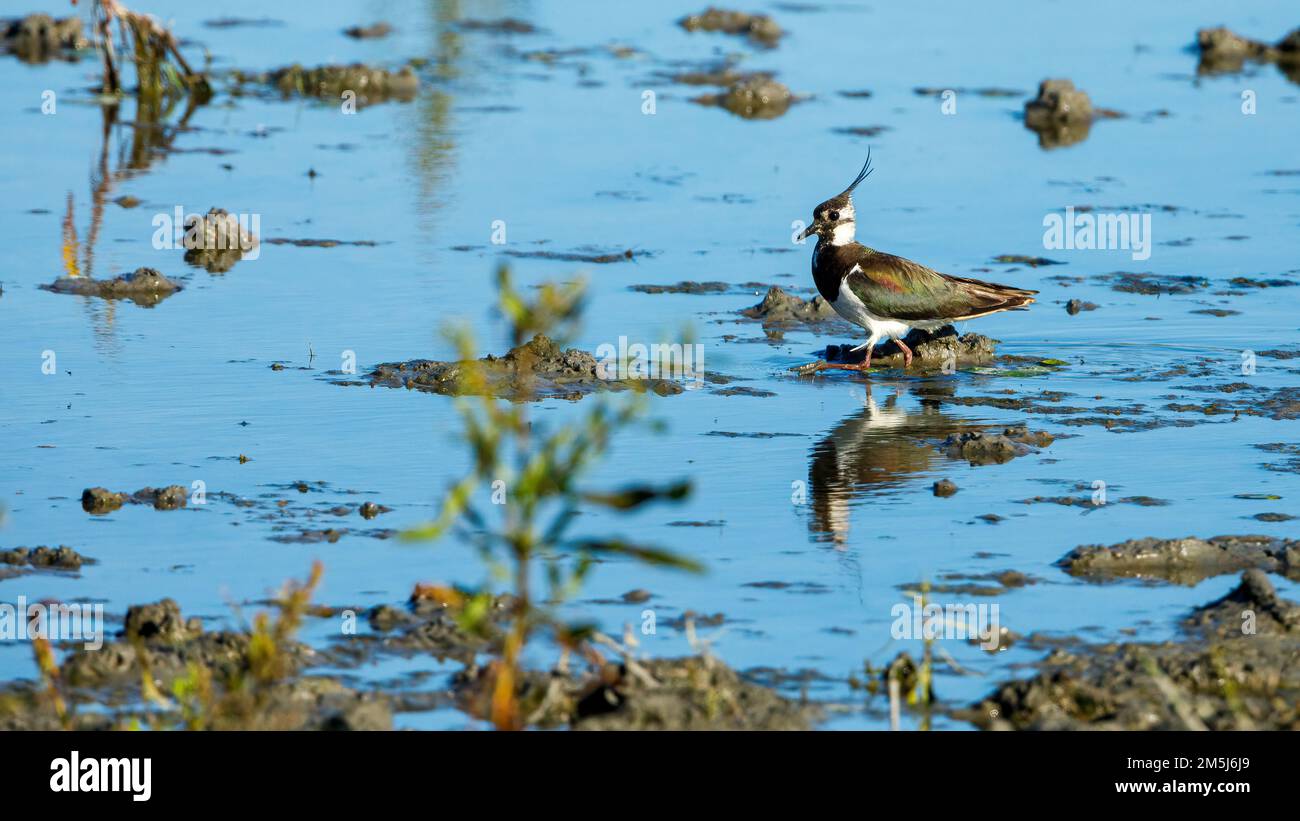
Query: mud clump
{"x": 370, "y": 32}
{"x": 598, "y": 258}
{"x": 930, "y": 350}
{"x": 216, "y": 240}
{"x": 369, "y": 84}
{"x": 1061, "y": 114}
{"x": 1058, "y": 101}
{"x": 1183, "y": 561}
{"x": 759, "y": 28}
{"x": 754, "y": 97}
{"x": 40, "y": 558}
{"x": 1025, "y": 259}
{"x": 684, "y": 287}
{"x": 1220, "y": 677}
{"x": 1154, "y": 284}
{"x": 101, "y": 500}
{"x": 506, "y": 25}
{"x": 944, "y": 488}
{"x": 1076, "y": 306}
{"x": 424, "y": 626}
{"x": 1226, "y": 52}
{"x": 1222, "y": 618}
{"x": 160, "y": 621}
{"x": 145, "y": 287}
{"x": 98, "y": 500}
{"x": 981, "y": 448}
{"x": 537, "y": 369}
{"x": 781, "y": 308}
{"x": 38, "y": 38}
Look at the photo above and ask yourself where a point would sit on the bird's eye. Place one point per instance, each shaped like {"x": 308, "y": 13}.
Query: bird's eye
{"x": 834, "y": 215}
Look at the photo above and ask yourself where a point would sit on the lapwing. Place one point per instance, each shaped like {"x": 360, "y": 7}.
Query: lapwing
{"x": 888, "y": 295}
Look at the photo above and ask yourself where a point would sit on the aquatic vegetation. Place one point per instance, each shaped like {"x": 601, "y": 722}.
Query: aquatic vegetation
{"x": 533, "y": 474}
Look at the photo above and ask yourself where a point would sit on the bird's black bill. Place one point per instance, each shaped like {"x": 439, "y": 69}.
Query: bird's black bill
{"x": 808, "y": 232}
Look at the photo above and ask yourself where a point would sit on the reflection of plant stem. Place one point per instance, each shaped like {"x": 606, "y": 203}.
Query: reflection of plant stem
{"x": 70, "y": 241}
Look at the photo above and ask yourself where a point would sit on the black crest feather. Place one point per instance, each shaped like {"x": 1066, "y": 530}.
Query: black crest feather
{"x": 862, "y": 175}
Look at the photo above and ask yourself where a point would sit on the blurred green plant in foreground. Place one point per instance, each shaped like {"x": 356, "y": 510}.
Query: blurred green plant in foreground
{"x": 533, "y": 474}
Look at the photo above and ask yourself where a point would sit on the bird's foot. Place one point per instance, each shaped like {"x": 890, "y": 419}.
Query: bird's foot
{"x": 818, "y": 367}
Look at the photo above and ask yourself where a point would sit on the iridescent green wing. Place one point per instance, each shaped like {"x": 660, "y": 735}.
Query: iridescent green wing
{"x": 895, "y": 288}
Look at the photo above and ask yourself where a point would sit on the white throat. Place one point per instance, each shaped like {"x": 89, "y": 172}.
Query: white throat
{"x": 843, "y": 233}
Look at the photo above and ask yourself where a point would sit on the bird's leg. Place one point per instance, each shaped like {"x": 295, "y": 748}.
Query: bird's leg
{"x": 907, "y": 352}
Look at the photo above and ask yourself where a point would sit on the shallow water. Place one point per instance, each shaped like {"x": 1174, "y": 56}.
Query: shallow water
{"x": 564, "y": 155}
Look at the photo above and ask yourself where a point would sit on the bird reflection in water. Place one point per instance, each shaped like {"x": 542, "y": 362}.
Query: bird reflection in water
{"x": 874, "y": 452}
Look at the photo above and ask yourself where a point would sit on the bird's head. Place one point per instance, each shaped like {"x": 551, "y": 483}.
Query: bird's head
{"x": 833, "y": 220}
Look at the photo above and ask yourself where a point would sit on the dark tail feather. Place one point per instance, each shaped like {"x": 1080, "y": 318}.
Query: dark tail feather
{"x": 991, "y": 297}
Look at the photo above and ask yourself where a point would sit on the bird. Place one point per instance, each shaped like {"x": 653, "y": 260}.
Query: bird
{"x": 887, "y": 295}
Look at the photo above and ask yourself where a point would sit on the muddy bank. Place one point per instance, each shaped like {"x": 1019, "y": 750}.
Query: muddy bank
{"x": 98, "y": 500}
{"x": 1246, "y": 400}
{"x": 145, "y": 287}
{"x": 1236, "y": 667}
{"x": 537, "y": 369}
{"x": 1183, "y": 561}
{"x": 227, "y": 680}
{"x": 1195, "y": 404}
{"x": 697, "y": 692}
{"x": 39, "y": 38}
{"x": 262, "y": 678}
{"x": 369, "y": 84}
{"x": 691, "y": 693}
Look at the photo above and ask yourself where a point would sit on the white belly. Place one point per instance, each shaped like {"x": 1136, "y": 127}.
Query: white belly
{"x": 851, "y": 308}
